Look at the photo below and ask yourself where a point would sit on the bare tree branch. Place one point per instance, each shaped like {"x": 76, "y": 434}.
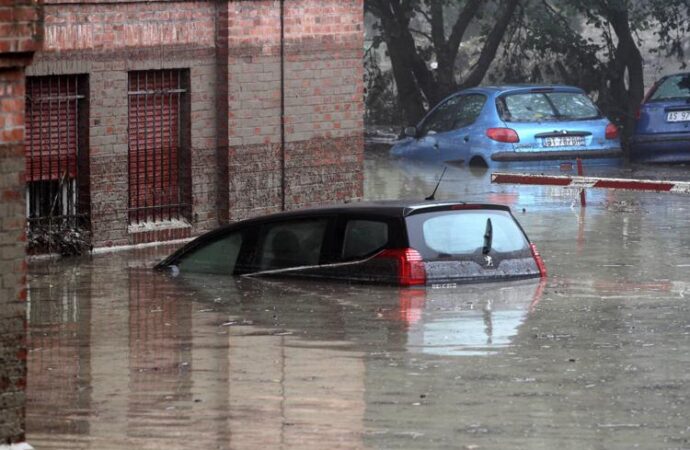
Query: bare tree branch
{"x": 491, "y": 45}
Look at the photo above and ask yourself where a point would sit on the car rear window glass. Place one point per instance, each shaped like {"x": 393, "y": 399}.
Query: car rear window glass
{"x": 573, "y": 106}
{"x": 463, "y": 232}
{"x": 217, "y": 257}
{"x": 291, "y": 244}
{"x": 364, "y": 237}
{"x": 673, "y": 87}
{"x": 546, "y": 106}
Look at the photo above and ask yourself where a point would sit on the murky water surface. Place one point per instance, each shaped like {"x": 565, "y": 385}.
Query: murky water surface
{"x": 598, "y": 356}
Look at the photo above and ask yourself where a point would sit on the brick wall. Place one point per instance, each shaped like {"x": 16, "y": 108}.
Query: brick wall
{"x": 239, "y": 165}
{"x": 105, "y": 41}
{"x": 18, "y": 40}
{"x": 323, "y": 98}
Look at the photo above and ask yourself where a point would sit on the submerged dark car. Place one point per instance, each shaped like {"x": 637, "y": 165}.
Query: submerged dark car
{"x": 662, "y": 130}
{"x": 402, "y": 243}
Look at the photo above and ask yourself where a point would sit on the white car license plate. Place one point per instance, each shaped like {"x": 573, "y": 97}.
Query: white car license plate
{"x": 678, "y": 116}
{"x": 564, "y": 141}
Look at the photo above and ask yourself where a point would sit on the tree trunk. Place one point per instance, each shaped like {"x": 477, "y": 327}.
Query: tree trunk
{"x": 491, "y": 45}
{"x": 415, "y": 82}
{"x": 401, "y": 51}
{"x": 409, "y": 95}
{"x": 627, "y": 60}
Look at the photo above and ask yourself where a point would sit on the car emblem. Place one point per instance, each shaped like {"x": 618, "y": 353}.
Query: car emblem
{"x": 489, "y": 261}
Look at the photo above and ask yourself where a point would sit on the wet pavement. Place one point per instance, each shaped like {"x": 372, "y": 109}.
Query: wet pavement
{"x": 597, "y": 356}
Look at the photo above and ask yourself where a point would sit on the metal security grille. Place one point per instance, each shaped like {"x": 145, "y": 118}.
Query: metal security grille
{"x": 56, "y": 156}
{"x": 157, "y": 145}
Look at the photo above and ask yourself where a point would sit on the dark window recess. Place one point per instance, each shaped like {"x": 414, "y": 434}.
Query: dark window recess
{"x": 159, "y": 154}
{"x": 56, "y": 149}
{"x": 291, "y": 244}
{"x": 363, "y": 238}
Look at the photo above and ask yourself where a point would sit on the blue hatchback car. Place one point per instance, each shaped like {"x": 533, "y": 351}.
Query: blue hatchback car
{"x": 662, "y": 130}
{"x": 504, "y": 124}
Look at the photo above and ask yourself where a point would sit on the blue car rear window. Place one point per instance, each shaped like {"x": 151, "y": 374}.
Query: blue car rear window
{"x": 673, "y": 87}
{"x": 543, "y": 106}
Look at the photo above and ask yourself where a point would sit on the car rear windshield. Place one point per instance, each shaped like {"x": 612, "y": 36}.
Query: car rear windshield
{"x": 546, "y": 106}
{"x": 465, "y": 232}
{"x": 672, "y": 88}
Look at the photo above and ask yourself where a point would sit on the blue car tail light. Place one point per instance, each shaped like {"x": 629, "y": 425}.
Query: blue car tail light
{"x": 611, "y": 131}
{"x": 507, "y": 135}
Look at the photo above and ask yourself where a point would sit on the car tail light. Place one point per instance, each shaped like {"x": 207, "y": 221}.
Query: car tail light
{"x": 611, "y": 131}
{"x": 538, "y": 259}
{"x": 503, "y": 135}
{"x": 411, "y": 270}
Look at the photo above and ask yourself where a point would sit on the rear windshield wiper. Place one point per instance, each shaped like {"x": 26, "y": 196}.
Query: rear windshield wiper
{"x": 488, "y": 237}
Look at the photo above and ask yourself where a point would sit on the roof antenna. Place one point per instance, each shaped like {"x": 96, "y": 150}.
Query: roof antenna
{"x": 431, "y": 197}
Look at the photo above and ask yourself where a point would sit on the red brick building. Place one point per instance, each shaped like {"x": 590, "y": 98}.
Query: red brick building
{"x": 159, "y": 120}
{"x": 19, "y": 38}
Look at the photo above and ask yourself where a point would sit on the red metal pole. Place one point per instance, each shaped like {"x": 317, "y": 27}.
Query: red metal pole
{"x": 583, "y": 199}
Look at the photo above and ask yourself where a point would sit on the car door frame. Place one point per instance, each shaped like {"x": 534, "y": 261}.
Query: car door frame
{"x": 453, "y": 144}
{"x": 397, "y": 237}
{"x": 254, "y": 251}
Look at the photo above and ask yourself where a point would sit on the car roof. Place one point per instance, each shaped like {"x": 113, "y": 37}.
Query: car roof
{"x": 501, "y": 89}
{"x": 379, "y": 208}
{"x": 384, "y": 208}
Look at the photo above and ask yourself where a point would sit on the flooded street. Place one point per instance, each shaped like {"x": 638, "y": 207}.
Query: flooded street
{"x": 596, "y": 356}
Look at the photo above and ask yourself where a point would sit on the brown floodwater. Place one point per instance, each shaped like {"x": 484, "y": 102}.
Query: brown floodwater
{"x": 596, "y": 356}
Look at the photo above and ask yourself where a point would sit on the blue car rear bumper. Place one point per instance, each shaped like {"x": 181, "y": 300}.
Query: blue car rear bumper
{"x": 556, "y": 155}
{"x": 660, "y": 148}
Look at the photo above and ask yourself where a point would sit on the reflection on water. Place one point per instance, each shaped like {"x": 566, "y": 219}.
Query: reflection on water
{"x": 130, "y": 359}
{"x": 122, "y": 357}
{"x": 478, "y": 320}
{"x": 129, "y": 356}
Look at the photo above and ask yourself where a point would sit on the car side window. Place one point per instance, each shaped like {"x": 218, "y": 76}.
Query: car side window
{"x": 457, "y": 112}
{"x": 291, "y": 244}
{"x": 442, "y": 118}
{"x": 217, "y": 257}
{"x": 363, "y": 238}
{"x": 468, "y": 109}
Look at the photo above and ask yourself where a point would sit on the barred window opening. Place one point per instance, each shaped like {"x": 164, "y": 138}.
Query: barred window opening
{"x": 158, "y": 110}
{"x": 57, "y": 176}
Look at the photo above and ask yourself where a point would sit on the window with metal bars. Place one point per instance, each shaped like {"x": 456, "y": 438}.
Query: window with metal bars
{"x": 158, "y": 128}
{"x": 56, "y": 150}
